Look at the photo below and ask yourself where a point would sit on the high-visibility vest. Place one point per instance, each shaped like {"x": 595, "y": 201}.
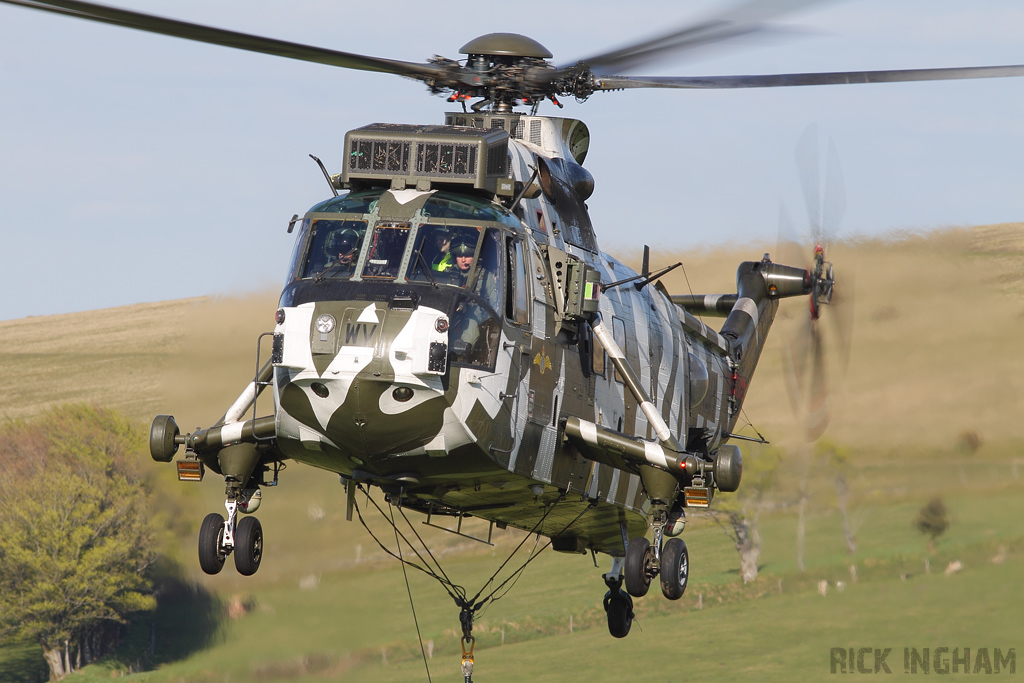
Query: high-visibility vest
{"x": 445, "y": 263}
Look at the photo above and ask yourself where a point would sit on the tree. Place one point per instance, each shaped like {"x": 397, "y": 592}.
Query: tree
{"x": 738, "y": 513}
{"x": 932, "y": 520}
{"x": 840, "y": 458}
{"x": 75, "y": 537}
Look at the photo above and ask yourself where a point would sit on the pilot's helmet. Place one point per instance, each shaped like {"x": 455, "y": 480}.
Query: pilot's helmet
{"x": 343, "y": 242}
{"x": 463, "y": 245}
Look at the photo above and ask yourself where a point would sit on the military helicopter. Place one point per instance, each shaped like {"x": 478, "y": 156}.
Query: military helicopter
{"x": 451, "y": 333}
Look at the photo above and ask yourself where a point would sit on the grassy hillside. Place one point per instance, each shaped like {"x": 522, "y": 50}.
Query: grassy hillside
{"x": 935, "y": 357}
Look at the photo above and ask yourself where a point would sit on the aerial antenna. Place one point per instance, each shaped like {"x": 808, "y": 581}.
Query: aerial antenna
{"x": 326, "y": 174}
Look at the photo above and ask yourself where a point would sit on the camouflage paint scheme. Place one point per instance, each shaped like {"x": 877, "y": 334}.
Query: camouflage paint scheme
{"x": 487, "y": 441}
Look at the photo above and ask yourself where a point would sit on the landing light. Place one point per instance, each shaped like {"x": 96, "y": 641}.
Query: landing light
{"x": 325, "y": 323}
{"x": 190, "y": 470}
{"x": 402, "y": 394}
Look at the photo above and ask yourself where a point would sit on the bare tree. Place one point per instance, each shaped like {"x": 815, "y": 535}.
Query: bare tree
{"x": 737, "y": 514}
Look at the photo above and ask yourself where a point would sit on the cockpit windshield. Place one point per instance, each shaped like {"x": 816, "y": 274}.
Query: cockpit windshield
{"x": 434, "y": 253}
{"x": 450, "y": 240}
{"x": 334, "y": 248}
{"x": 387, "y": 246}
{"x": 460, "y": 256}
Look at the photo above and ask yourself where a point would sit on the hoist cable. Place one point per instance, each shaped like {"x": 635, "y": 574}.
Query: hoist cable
{"x": 408, "y": 590}
{"x": 445, "y": 579}
{"x": 424, "y": 544}
{"x": 530, "y": 559}
{"x": 447, "y": 585}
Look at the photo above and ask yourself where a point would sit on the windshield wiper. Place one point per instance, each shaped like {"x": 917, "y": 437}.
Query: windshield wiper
{"x": 323, "y": 276}
{"x": 426, "y": 268}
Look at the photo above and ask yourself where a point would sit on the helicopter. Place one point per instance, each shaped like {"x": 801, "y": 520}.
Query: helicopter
{"x": 545, "y": 386}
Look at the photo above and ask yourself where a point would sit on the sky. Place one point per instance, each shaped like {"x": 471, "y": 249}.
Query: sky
{"x": 136, "y": 167}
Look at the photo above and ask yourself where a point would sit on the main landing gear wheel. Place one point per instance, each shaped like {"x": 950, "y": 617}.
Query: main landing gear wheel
{"x": 619, "y": 607}
{"x": 675, "y": 568}
{"x": 248, "y": 545}
{"x": 639, "y": 557}
{"x": 211, "y": 533}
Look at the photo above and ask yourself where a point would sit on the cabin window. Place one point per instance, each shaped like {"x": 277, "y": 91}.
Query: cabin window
{"x": 597, "y": 356}
{"x": 619, "y": 335}
{"x": 517, "y": 300}
{"x": 333, "y": 248}
{"x": 386, "y": 249}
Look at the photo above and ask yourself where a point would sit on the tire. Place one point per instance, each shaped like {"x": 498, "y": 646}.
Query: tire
{"x": 620, "y": 614}
{"x": 211, "y": 559}
{"x": 638, "y": 560}
{"x": 675, "y": 568}
{"x": 248, "y": 545}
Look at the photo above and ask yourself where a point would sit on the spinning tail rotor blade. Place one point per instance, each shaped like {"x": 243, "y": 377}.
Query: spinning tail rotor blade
{"x": 834, "y": 207}
{"x": 789, "y": 248}
{"x": 809, "y": 168}
{"x": 805, "y": 359}
{"x": 806, "y": 372}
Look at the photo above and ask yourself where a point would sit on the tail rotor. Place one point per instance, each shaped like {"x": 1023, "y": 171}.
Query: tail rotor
{"x": 804, "y": 358}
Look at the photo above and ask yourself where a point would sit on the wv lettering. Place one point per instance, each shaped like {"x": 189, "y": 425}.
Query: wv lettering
{"x": 359, "y": 334}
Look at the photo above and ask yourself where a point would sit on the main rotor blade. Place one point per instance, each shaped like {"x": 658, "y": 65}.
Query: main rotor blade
{"x": 741, "y": 20}
{"x": 789, "y": 80}
{"x": 216, "y": 36}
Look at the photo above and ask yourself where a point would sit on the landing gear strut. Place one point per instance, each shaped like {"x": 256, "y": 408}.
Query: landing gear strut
{"x": 643, "y": 562}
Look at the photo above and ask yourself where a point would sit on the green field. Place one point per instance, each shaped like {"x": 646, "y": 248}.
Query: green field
{"x": 936, "y": 355}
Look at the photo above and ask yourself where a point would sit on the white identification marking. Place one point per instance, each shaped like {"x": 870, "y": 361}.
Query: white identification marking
{"x": 369, "y": 314}
{"x": 406, "y": 196}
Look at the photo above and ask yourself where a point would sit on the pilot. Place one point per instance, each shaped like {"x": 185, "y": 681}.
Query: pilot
{"x": 462, "y": 249}
{"x": 342, "y": 249}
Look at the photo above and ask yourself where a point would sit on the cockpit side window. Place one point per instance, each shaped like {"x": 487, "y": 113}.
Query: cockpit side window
{"x": 295, "y": 267}
{"x": 387, "y": 247}
{"x": 517, "y": 298}
{"x": 334, "y": 248}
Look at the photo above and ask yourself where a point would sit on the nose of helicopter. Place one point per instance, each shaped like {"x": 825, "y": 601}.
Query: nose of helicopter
{"x": 363, "y": 379}
{"x": 381, "y": 418}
